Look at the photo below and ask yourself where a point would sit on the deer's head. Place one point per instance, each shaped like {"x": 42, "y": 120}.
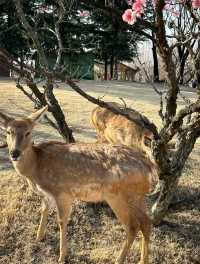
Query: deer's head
{"x": 19, "y": 131}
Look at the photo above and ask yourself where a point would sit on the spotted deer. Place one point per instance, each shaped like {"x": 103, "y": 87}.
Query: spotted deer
{"x": 63, "y": 173}
{"x": 117, "y": 129}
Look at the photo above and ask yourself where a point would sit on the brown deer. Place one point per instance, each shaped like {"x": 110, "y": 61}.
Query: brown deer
{"x": 63, "y": 173}
{"x": 117, "y": 129}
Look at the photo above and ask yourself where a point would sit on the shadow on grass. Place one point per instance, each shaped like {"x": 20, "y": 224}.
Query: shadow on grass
{"x": 89, "y": 220}
{"x": 186, "y": 199}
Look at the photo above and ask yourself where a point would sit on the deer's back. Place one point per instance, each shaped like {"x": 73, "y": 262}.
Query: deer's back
{"x": 78, "y": 166}
{"x": 118, "y": 129}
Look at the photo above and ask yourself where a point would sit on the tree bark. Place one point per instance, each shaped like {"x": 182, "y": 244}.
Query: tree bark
{"x": 183, "y": 56}
{"x": 106, "y": 69}
{"x": 111, "y": 66}
{"x": 155, "y": 63}
{"x": 21, "y": 59}
{"x": 182, "y": 69}
{"x": 182, "y": 63}
{"x": 57, "y": 113}
{"x": 116, "y": 70}
{"x": 169, "y": 175}
{"x": 168, "y": 64}
{"x": 168, "y": 187}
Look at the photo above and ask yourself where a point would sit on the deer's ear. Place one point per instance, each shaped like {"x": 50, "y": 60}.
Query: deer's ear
{"x": 35, "y": 117}
{"x": 4, "y": 120}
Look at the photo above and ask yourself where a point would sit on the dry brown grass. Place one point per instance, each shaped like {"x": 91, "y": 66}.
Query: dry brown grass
{"x": 94, "y": 234}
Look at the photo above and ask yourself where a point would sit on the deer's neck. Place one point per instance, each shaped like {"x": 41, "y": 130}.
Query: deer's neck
{"x": 27, "y": 164}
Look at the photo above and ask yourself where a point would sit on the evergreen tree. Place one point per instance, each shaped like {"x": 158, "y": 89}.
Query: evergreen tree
{"x": 101, "y": 32}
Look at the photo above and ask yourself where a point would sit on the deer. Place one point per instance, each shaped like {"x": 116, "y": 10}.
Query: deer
{"x": 113, "y": 128}
{"x": 93, "y": 172}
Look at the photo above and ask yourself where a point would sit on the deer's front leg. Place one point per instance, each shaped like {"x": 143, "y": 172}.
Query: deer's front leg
{"x": 43, "y": 221}
{"x": 64, "y": 209}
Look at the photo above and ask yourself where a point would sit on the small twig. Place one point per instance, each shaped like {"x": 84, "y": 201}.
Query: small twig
{"x": 61, "y": 14}
{"x": 8, "y": 29}
{"x": 188, "y": 102}
{"x": 101, "y": 97}
{"x": 85, "y": 74}
{"x": 123, "y": 101}
{"x": 30, "y": 96}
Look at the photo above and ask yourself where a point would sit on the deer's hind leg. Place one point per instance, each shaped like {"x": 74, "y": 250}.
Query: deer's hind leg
{"x": 138, "y": 211}
{"x": 145, "y": 227}
{"x": 123, "y": 212}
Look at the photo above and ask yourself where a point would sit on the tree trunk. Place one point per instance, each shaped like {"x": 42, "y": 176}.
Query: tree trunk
{"x": 57, "y": 113}
{"x": 111, "y": 67}
{"x": 21, "y": 60}
{"x": 116, "y": 70}
{"x": 182, "y": 59}
{"x": 168, "y": 187}
{"x": 168, "y": 64}
{"x": 183, "y": 56}
{"x": 106, "y": 69}
{"x": 182, "y": 69}
{"x": 169, "y": 174}
{"x": 155, "y": 63}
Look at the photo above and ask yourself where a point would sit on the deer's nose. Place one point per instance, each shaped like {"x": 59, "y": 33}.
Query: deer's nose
{"x": 15, "y": 154}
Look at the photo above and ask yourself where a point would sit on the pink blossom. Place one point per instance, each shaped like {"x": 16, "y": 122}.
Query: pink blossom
{"x": 196, "y": 3}
{"x": 154, "y": 3}
{"x": 84, "y": 13}
{"x": 138, "y": 6}
{"x": 168, "y": 7}
{"x": 130, "y": 2}
{"x": 129, "y": 16}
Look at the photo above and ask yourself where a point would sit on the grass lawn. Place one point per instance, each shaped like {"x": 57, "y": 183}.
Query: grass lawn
{"x": 94, "y": 234}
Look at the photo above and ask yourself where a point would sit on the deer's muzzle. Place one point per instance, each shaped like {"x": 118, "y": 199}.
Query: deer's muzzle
{"x": 15, "y": 154}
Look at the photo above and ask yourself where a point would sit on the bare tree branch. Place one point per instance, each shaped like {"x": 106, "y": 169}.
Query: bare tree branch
{"x": 31, "y": 33}
{"x": 166, "y": 55}
{"x": 63, "y": 76}
{"x": 61, "y": 13}
{"x": 178, "y": 120}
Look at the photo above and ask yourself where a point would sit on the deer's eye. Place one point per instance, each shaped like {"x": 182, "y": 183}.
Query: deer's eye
{"x": 27, "y": 134}
{"x": 8, "y": 132}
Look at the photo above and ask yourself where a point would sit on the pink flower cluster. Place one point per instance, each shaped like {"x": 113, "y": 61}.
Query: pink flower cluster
{"x": 84, "y": 13}
{"x": 196, "y": 3}
{"x": 130, "y": 15}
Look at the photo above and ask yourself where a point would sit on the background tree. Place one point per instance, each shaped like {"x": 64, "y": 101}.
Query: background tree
{"x": 11, "y": 35}
{"x": 115, "y": 42}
